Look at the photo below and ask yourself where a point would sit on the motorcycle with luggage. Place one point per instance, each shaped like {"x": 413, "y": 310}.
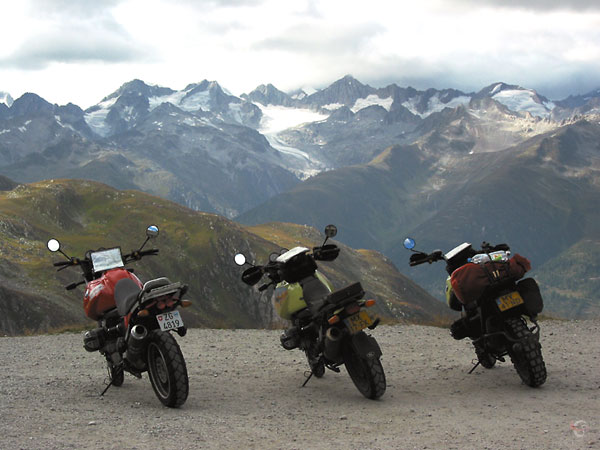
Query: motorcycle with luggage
{"x": 495, "y": 302}
{"x": 327, "y": 325}
{"x": 135, "y": 320}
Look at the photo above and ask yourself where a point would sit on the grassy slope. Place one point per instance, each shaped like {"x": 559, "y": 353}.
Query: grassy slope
{"x": 195, "y": 247}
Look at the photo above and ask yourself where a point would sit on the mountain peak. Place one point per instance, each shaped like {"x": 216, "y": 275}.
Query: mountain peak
{"x": 30, "y": 104}
{"x": 346, "y": 91}
{"x": 268, "y": 95}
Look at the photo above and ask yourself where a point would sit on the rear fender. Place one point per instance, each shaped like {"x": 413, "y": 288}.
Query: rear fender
{"x": 365, "y": 346}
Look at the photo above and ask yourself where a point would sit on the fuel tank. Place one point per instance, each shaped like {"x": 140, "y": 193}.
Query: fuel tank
{"x": 99, "y": 294}
{"x": 288, "y": 298}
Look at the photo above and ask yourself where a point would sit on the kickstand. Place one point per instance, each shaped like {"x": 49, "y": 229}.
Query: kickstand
{"x": 307, "y": 378}
{"x": 474, "y": 367}
{"x": 106, "y": 389}
{"x": 110, "y": 384}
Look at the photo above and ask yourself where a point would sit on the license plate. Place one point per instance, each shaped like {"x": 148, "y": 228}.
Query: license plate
{"x": 509, "y": 301}
{"x": 169, "y": 321}
{"x": 358, "y": 321}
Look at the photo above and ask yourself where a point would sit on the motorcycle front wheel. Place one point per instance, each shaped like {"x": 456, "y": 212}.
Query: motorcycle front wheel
{"x": 167, "y": 369}
{"x": 527, "y": 354}
{"x": 366, "y": 373}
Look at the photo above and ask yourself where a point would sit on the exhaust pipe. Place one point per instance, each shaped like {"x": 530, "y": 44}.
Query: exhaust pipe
{"x": 333, "y": 343}
{"x": 136, "y": 346}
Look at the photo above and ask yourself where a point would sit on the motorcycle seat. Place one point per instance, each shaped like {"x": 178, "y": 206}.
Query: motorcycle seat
{"x": 126, "y": 294}
{"x": 352, "y": 291}
{"x": 157, "y": 282}
{"x": 315, "y": 293}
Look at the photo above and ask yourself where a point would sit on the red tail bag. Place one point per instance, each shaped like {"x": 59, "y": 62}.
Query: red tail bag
{"x": 469, "y": 281}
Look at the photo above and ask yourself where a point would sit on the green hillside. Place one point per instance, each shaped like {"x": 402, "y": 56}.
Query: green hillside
{"x": 196, "y": 248}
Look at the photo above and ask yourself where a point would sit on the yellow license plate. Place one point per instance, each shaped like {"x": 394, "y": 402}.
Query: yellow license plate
{"x": 509, "y": 301}
{"x": 358, "y": 321}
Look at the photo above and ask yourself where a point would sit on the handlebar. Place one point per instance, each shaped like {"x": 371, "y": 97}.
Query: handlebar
{"x": 62, "y": 263}
{"x": 136, "y": 255}
{"x": 422, "y": 258}
{"x": 486, "y": 247}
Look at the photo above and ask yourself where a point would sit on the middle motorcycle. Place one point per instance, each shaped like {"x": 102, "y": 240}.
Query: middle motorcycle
{"x": 135, "y": 320}
{"x": 327, "y": 325}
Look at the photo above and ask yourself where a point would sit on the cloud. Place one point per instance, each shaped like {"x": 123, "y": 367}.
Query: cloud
{"x": 73, "y": 45}
{"x": 63, "y": 31}
{"x": 321, "y": 39}
{"x": 539, "y": 5}
{"x": 70, "y": 8}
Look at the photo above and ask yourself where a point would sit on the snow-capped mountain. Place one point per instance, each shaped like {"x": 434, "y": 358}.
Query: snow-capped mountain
{"x": 208, "y": 149}
{"x": 130, "y": 104}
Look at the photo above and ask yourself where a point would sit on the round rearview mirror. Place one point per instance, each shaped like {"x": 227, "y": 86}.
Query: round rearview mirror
{"x": 330, "y": 231}
{"x": 152, "y": 231}
{"x": 239, "y": 259}
{"x": 409, "y": 243}
{"x": 53, "y": 245}
{"x": 273, "y": 256}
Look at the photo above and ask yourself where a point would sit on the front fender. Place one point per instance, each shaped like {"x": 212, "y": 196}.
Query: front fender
{"x": 365, "y": 346}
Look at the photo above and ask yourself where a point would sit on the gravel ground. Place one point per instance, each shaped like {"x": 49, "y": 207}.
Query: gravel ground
{"x": 245, "y": 393}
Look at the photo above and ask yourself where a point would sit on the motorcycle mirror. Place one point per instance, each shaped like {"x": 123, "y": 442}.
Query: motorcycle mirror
{"x": 409, "y": 243}
{"x": 152, "y": 231}
{"x": 240, "y": 259}
{"x": 273, "y": 256}
{"x": 53, "y": 245}
{"x": 330, "y": 231}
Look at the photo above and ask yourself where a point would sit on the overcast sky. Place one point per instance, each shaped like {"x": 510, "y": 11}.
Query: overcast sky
{"x": 79, "y": 51}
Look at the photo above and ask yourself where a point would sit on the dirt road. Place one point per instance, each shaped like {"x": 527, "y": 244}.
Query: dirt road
{"x": 245, "y": 393}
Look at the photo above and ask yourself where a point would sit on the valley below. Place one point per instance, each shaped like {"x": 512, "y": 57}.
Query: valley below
{"x": 245, "y": 392}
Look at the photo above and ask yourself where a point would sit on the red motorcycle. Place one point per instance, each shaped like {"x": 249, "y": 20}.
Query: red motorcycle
{"x": 135, "y": 320}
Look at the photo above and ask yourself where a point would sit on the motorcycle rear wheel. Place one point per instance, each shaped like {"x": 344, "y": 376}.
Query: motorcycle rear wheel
{"x": 366, "y": 374}
{"x": 528, "y": 361}
{"x": 167, "y": 369}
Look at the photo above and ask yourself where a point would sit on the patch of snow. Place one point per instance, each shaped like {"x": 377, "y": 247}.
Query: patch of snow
{"x": 22, "y": 129}
{"x": 372, "y": 100}
{"x": 199, "y": 100}
{"x": 127, "y": 114}
{"x": 332, "y": 106}
{"x": 58, "y": 121}
{"x": 174, "y": 99}
{"x": 283, "y": 148}
{"x": 411, "y": 105}
{"x": 496, "y": 88}
{"x": 299, "y": 96}
{"x": 278, "y": 118}
{"x": 4, "y": 131}
{"x": 522, "y": 100}
{"x": 97, "y": 120}
{"x": 434, "y": 104}
{"x": 6, "y": 99}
